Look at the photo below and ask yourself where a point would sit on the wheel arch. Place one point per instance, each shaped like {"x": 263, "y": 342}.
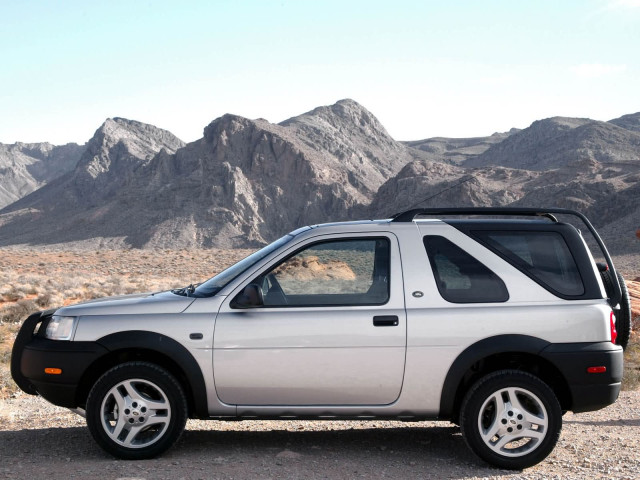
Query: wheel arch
{"x": 155, "y": 348}
{"x": 521, "y": 352}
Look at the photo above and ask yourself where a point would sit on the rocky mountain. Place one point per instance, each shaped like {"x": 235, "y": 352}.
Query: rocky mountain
{"x": 25, "y": 167}
{"x": 608, "y": 195}
{"x": 349, "y": 137}
{"x": 557, "y": 142}
{"x": 73, "y": 201}
{"x": 247, "y": 182}
{"x": 630, "y": 122}
{"x": 457, "y": 150}
{"x": 243, "y": 184}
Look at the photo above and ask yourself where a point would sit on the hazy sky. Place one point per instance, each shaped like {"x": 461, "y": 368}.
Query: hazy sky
{"x": 424, "y": 68}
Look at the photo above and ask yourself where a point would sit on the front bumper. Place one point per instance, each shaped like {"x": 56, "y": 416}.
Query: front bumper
{"x": 72, "y": 358}
{"x": 589, "y": 391}
{"x": 32, "y": 353}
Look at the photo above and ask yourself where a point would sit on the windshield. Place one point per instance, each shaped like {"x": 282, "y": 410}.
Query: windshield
{"x": 215, "y": 284}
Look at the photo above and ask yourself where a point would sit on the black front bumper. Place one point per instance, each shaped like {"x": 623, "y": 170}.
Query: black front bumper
{"x": 73, "y": 358}
{"x": 33, "y": 353}
{"x": 589, "y": 391}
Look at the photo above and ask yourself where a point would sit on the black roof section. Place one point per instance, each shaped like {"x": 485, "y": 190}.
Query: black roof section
{"x": 410, "y": 215}
{"x": 549, "y": 213}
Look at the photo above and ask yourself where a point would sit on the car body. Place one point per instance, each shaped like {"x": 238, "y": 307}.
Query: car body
{"x": 492, "y": 324}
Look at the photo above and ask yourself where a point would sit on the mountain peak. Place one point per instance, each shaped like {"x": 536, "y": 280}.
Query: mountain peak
{"x": 118, "y": 147}
{"x": 629, "y": 122}
{"x": 345, "y": 113}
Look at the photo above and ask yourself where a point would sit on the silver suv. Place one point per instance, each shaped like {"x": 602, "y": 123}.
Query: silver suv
{"x": 499, "y": 325}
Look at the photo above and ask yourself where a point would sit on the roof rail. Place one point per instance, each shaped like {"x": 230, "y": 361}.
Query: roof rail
{"x": 549, "y": 213}
{"x": 410, "y": 215}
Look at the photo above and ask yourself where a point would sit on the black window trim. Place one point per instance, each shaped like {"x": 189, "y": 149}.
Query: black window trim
{"x": 520, "y": 264}
{"x": 309, "y": 245}
{"x": 571, "y": 236}
{"x": 440, "y": 291}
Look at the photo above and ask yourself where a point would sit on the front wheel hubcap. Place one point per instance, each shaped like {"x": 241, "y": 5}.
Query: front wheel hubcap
{"x": 135, "y": 413}
{"x": 513, "y": 421}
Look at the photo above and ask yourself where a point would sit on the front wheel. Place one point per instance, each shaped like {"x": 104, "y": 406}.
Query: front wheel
{"x": 136, "y": 410}
{"x": 511, "y": 419}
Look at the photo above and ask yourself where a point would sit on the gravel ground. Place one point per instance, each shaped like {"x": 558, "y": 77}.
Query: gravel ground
{"x": 38, "y": 440}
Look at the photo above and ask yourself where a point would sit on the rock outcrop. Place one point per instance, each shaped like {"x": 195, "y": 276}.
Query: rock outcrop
{"x": 25, "y": 167}
{"x": 557, "y": 142}
{"x": 73, "y": 206}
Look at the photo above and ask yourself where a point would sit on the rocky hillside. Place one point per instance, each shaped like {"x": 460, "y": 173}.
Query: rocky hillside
{"x": 630, "y": 122}
{"x": 458, "y": 150}
{"x": 246, "y": 182}
{"x": 25, "y": 167}
{"x": 558, "y": 142}
{"x": 76, "y": 200}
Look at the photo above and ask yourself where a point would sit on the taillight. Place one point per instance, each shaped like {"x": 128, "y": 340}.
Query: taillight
{"x": 614, "y": 333}
{"x": 600, "y": 369}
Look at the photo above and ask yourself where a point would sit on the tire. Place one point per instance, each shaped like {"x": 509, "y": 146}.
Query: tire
{"x": 623, "y": 314}
{"x": 136, "y": 410}
{"x": 511, "y": 419}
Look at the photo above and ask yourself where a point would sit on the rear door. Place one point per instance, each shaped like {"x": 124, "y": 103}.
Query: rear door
{"x": 332, "y": 330}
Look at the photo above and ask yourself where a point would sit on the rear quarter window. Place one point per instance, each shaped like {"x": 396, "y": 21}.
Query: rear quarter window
{"x": 460, "y": 277}
{"x": 542, "y": 255}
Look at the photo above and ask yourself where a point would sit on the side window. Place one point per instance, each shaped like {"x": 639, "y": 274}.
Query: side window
{"x": 544, "y": 256}
{"x": 337, "y": 272}
{"x": 460, "y": 277}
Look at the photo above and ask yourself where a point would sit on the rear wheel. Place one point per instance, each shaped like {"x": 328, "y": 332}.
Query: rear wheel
{"x": 511, "y": 419}
{"x": 136, "y": 410}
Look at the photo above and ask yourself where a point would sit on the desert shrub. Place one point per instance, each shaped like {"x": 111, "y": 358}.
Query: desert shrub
{"x": 18, "y": 311}
{"x": 631, "y": 375}
{"x": 44, "y": 300}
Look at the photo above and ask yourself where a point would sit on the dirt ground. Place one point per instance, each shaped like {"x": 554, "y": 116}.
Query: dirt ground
{"x": 39, "y": 440}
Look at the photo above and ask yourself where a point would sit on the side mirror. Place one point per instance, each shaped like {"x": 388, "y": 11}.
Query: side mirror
{"x": 250, "y": 297}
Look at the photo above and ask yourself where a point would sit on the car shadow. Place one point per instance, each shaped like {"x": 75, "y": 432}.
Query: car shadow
{"x": 416, "y": 451}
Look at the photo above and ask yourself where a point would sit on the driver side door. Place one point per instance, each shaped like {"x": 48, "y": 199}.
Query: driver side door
{"x": 330, "y": 328}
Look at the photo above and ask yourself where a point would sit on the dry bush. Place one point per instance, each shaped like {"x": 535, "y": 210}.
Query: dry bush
{"x": 631, "y": 376}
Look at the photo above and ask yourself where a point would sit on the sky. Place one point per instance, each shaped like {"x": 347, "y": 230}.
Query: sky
{"x": 423, "y": 68}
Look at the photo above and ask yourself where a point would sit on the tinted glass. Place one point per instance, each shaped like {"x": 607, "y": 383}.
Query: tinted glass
{"x": 544, "y": 256}
{"x": 215, "y": 284}
{"x": 345, "y": 272}
{"x": 460, "y": 277}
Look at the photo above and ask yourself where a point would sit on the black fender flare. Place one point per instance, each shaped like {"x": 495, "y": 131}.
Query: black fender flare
{"x": 478, "y": 351}
{"x": 157, "y": 342}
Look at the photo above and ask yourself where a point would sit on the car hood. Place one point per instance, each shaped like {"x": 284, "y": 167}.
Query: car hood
{"x": 145, "y": 303}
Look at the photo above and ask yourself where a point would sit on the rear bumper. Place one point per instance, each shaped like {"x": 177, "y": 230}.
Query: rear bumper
{"x": 589, "y": 391}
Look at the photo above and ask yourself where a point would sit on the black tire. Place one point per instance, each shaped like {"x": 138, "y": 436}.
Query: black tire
{"x": 623, "y": 313}
{"x": 498, "y": 412}
{"x": 136, "y": 410}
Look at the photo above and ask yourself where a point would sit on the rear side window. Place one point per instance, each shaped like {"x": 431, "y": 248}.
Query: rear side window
{"x": 544, "y": 256}
{"x": 460, "y": 277}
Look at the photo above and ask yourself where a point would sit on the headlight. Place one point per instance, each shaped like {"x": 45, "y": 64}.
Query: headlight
{"x": 61, "y": 328}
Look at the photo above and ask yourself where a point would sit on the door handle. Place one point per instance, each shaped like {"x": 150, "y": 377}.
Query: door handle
{"x": 385, "y": 321}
